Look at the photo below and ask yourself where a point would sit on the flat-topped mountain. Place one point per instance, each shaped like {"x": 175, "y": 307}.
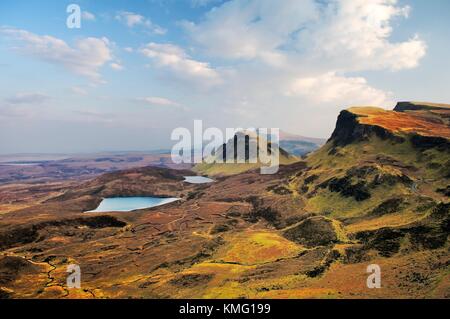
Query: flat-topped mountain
{"x": 422, "y": 123}
{"x": 421, "y": 106}
{"x": 373, "y": 150}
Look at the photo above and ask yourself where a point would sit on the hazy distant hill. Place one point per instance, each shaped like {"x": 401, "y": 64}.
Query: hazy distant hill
{"x": 299, "y": 145}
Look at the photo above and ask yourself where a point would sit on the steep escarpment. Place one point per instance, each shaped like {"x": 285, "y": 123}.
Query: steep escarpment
{"x": 427, "y": 126}
{"x": 376, "y": 155}
{"x": 384, "y": 175}
{"x": 420, "y": 106}
{"x": 349, "y": 129}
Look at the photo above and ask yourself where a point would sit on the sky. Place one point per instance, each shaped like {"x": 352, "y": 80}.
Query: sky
{"x": 136, "y": 70}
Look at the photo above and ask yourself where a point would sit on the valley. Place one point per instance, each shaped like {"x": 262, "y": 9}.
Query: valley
{"x": 375, "y": 193}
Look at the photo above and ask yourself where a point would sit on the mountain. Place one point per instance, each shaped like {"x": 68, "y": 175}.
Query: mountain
{"x": 248, "y": 142}
{"x": 286, "y": 136}
{"x": 299, "y": 145}
{"x": 376, "y": 156}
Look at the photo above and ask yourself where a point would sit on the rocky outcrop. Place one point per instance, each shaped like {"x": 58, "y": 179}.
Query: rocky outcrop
{"x": 346, "y": 188}
{"x": 314, "y": 231}
{"x": 389, "y": 206}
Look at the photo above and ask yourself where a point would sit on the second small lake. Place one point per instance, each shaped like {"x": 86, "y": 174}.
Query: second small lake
{"x": 127, "y": 204}
{"x": 197, "y": 179}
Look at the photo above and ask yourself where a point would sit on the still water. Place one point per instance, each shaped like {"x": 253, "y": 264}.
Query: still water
{"x": 127, "y": 204}
{"x": 197, "y": 179}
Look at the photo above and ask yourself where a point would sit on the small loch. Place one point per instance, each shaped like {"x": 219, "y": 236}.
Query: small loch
{"x": 197, "y": 180}
{"x": 128, "y": 204}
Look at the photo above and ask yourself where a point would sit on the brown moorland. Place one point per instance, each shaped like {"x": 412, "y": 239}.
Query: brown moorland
{"x": 375, "y": 193}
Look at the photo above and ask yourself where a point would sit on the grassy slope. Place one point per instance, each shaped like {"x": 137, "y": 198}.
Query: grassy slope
{"x": 416, "y": 165}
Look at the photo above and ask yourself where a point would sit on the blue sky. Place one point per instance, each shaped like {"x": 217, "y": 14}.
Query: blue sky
{"x": 136, "y": 70}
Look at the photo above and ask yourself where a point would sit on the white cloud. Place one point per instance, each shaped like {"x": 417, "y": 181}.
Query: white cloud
{"x": 8, "y": 111}
{"x": 116, "y": 66}
{"x": 351, "y": 34}
{"x": 162, "y": 102}
{"x": 132, "y": 20}
{"x": 27, "y": 98}
{"x": 250, "y": 29}
{"x": 23, "y": 105}
{"x": 176, "y": 60}
{"x": 158, "y": 101}
{"x": 347, "y": 32}
{"x": 93, "y": 116}
{"x": 292, "y": 64}
{"x": 293, "y": 61}
{"x": 86, "y": 15}
{"x": 203, "y": 3}
{"x": 330, "y": 87}
{"x": 78, "y": 90}
{"x": 84, "y": 58}
{"x": 355, "y": 35}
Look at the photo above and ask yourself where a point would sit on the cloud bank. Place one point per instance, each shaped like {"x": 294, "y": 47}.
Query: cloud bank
{"x": 300, "y": 54}
{"x": 86, "y": 57}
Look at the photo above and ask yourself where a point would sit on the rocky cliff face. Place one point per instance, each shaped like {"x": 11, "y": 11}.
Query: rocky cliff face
{"x": 349, "y": 130}
{"x": 374, "y": 153}
{"x": 383, "y": 175}
{"x": 425, "y": 125}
